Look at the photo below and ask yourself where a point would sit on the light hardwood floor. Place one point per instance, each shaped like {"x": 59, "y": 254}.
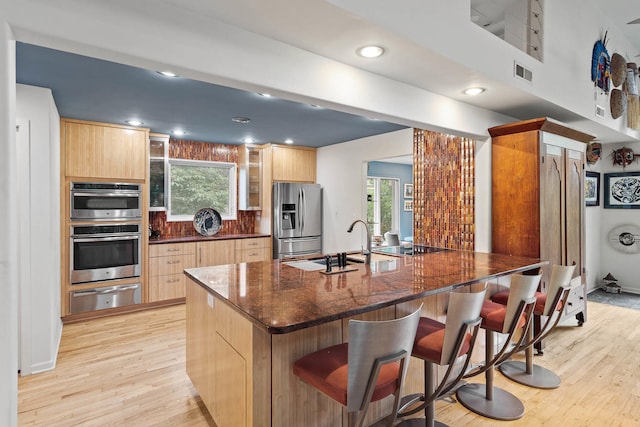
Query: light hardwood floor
{"x": 129, "y": 371}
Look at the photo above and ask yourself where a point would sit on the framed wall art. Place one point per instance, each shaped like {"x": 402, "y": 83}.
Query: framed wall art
{"x": 622, "y": 190}
{"x": 592, "y": 189}
{"x": 408, "y": 205}
{"x": 408, "y": 191}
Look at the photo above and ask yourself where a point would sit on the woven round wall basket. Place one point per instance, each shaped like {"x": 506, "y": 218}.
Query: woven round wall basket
{"x": 618, "y": 103}
{"x": 618, "y": 69}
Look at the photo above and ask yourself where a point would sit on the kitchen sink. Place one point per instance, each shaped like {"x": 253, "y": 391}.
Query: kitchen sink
{"x": 316, "y": 264}
{"x": 334, "y": 261}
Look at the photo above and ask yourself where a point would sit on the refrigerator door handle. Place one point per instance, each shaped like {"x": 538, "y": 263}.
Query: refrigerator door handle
{"x": 300, "y": 213}
{"x": 303, "y": 209}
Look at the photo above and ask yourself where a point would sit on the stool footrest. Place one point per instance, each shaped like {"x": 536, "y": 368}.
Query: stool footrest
{"x": 410, "y": 400}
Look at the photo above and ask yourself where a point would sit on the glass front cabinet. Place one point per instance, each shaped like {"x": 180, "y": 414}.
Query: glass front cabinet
{"x": 250, "y": 178}
{"x": 158, "y": 161}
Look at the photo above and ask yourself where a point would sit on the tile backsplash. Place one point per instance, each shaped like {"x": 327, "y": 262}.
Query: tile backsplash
{"x": 196, "y": 150}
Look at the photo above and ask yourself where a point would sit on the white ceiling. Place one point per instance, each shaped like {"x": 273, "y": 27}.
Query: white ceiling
{"x": 320, "y": 27}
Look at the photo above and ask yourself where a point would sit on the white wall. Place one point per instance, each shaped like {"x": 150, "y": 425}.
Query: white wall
{"x": 342, "y": 173}
{"x": 593, "y": 227}
{"x": 624, "y": 267}
{"x": 39, "y": 217}
{"x": 8, "y": 231}
{"x": 571, "y": 27}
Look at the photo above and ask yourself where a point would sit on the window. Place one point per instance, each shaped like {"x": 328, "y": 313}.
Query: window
{"x": 383, "y": 208}
{"x": 195, "y": 184}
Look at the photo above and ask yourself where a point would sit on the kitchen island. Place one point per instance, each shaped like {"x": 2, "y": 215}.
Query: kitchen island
{"x": 247, "y": 323}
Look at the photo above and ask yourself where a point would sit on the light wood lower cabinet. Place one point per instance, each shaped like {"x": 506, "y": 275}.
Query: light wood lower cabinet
{"x": 216, "y": 252}
{"x": 167, "y": 261}
{"x": 250, "y": 250}
{"x": 166, "y": 265}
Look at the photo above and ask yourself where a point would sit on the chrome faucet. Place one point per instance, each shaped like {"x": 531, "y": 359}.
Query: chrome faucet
{"x": 367, "y": 253}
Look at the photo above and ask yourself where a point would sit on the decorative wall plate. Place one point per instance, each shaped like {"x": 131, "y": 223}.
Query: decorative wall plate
{"x": 625, "y": 238}
{"x": 207, "y": 221}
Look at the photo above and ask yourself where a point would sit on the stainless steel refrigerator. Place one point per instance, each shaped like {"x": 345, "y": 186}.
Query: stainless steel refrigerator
{"x": 297, "y": 219}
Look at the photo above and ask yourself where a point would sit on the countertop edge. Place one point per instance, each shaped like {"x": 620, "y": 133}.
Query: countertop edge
{"x": 360, "y": 310}
{"x": 187, "y": 239}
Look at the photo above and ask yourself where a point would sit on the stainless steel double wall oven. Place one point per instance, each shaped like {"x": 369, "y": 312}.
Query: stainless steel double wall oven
{"x": 105, "y": 244}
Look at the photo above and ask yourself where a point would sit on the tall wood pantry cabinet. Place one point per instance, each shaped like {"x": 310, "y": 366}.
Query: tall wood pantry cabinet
{"x": 538, "y": 198}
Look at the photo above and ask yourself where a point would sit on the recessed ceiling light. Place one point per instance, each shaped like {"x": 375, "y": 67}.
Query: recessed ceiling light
{"x": 167, "y": 73}
{"x": 248, "y": 140}
{"x": 370, "y": 51}
{"x": 178, "y": 132}
{"x": 266, "y": 95}
{"x": 241, "y": 119}
{"x": 134, "y": 122}
{"x": 288, "y": 141}
{"x": 472, "y": 91}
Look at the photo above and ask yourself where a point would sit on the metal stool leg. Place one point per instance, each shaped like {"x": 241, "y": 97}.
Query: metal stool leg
{"x": 487, "y": 400}
{"x": 429, "y": 420}
{"x": 527, "y": 373}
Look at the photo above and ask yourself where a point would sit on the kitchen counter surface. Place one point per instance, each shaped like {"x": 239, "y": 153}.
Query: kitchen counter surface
{"x": 279, "y": 297}
{"x": 184, "y": 239}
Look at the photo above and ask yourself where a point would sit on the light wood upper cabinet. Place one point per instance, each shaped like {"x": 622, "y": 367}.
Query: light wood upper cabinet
{"x": 282, "y": 163}
{"x": 100, "y": 150}
{"x": 293, "y": 164}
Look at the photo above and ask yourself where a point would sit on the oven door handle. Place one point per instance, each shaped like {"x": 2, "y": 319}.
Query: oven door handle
{"x": 117, "y": 289}
{"x": 106, "y": 290}
{"x": 79, "y": 194}
{"x": 102, "y": 239}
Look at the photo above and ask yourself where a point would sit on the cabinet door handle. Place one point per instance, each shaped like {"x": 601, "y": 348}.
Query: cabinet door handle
{"x": 173, "y": 250}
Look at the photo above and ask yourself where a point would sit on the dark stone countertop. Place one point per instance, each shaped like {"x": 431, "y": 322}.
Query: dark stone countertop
{"x": 185, "y": 239}
{"x": 280, "y": 298}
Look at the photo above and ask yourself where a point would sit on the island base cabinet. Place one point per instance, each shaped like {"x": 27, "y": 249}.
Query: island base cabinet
{"x": 228, "y": 361}
{"x": 230, "y": 385}
{"x": 245, "y": 375}
{"x": 200, "y": 326}
{"x": 294, "y": 402}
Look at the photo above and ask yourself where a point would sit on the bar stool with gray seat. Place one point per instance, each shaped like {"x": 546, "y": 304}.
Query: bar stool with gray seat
{"x": 486, "y": 399}
{"x": 370, "y": 367}
{"x": 449, "y": 343}
{"x": 548, "y": 305}
{"x": 391, "y": 238}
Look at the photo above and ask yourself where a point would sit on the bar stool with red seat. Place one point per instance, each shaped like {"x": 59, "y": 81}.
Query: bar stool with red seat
{"x": 548, "y": 305}
{"x": 449, "y": 343}
{"x": 370, "y": 367}
{"x": 485, "y": 399}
